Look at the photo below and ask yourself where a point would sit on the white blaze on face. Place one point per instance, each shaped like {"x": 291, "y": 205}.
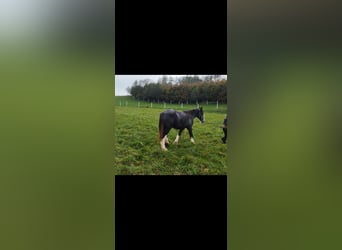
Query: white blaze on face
{"x": 177, "y": 138}
{"x": 192, "y": 140}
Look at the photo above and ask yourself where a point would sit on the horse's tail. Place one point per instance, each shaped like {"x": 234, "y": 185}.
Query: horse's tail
{"x": 161, "y": 127}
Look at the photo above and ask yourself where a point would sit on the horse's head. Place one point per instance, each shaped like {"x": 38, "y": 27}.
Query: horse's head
{"x": 200, "y": 114}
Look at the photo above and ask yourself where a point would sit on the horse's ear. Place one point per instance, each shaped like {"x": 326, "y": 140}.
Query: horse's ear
{"x": 201, "y": 109}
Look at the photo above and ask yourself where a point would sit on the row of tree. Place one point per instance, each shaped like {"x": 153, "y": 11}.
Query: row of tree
{"x": 185, "y": 91}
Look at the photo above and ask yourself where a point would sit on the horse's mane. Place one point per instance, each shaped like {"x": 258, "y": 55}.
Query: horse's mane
{"x": 191, "y": 110}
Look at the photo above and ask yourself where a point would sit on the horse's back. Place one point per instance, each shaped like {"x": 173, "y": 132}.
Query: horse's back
{"x": 168, "y": 117}
{"x": 168, "y": 111}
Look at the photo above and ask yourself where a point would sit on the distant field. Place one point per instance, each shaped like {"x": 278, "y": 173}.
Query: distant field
{"x": 137, "y": 149}
{"x": 128, "y": 101}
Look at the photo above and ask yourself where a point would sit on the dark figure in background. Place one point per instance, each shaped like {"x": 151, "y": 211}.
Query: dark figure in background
{"x": 224, "y": 139}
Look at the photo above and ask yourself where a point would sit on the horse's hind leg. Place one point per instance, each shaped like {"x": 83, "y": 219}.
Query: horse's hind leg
{"x": 167, "y": 140}
{"x": 178, "y": 135}
{"x": 164, "y": 139}
{"x": 162, "y": 144}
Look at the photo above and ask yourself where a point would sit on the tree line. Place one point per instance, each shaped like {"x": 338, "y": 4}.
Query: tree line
{"x": 189, "y": 89}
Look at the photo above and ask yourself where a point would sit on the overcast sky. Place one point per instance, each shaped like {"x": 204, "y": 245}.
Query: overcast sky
{"x": 124, "y": 81}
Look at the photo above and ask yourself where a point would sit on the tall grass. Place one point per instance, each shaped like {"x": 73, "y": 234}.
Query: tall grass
{"x": 137, "y": 148}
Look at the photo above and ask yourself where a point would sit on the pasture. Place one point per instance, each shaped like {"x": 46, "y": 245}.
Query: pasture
{"x": 137, "y": 148}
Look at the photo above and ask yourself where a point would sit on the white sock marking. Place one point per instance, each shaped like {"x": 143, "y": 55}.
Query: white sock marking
{"x": 177, "y": 138}
{"x": 192, "y": 140}
{"x": 162, "y": 144}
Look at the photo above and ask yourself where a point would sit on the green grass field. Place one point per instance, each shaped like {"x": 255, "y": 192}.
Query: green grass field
{"x": 137, "y": 148}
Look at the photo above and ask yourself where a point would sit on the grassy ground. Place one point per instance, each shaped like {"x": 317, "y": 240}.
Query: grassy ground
{"x": 137, "y": 149}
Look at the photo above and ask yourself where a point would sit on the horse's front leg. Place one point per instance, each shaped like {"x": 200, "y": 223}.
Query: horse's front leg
{"x": 178, "y": 135}
{"x": 191, "y": 135}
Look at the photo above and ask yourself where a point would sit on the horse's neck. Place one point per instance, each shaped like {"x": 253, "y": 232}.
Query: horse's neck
{"x": 192, "y": 113}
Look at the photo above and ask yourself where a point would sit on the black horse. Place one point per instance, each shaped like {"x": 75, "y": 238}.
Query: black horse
{"x": 178, "y": 120}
